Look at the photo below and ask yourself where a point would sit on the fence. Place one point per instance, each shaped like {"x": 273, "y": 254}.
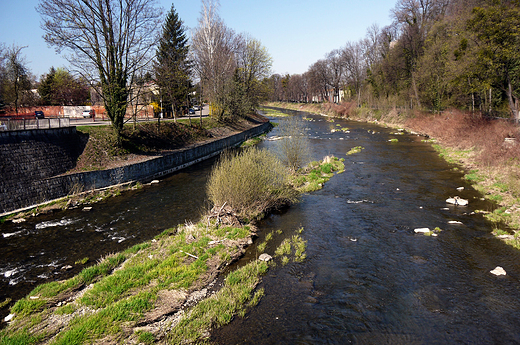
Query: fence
{"x": 25, "y": 124}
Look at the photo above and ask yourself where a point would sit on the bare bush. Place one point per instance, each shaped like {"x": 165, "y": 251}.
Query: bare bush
{"x": 250, "y": 182}
{"x": 293, "y": 149}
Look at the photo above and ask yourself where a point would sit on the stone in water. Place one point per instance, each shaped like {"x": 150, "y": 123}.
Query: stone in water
{"x": 498, "y": 271}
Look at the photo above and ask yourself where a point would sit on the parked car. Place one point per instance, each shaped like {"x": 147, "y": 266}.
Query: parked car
{"x": 191, "y": 111}
{"x": 88, "y": 113}
{"x": 39, "y": 114}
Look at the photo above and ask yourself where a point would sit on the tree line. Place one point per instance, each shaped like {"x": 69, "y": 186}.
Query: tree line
{"x": 434, "y": 55}
{"x": 127, "y": 52}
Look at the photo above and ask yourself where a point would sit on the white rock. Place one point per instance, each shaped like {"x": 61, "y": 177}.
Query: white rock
{"x": 265, "y": 257}
{"x": 498, "y": 271}
{"x": 8, "y": 317}
{"x": 455, "y": 222}
{"x": 86, "y": 209}
{"x": 154, "y": 182}
{"x": 18, "y": 220}
{"x": 457, "y": 201}
{"x": 34, "y": 297}
{"x": 460, "y": 189}
{"x": 422, "y": 230}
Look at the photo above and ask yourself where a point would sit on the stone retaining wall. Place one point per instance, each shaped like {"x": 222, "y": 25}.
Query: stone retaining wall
{"x": 31, "y": 164}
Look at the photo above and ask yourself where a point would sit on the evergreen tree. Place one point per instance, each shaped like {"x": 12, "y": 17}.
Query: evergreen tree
{"x": 45, "y": 88}
{"x": 172, "y": 69}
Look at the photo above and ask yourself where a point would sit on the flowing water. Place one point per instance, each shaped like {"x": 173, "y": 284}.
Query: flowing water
{"x": 39, "y": 249}
{"x": 368, "y": 278}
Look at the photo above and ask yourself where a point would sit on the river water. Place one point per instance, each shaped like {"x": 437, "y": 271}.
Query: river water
{"x": 368, "y": 278}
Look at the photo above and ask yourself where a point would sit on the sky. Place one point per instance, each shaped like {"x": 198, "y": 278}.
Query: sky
{"x": 296, "y": 33}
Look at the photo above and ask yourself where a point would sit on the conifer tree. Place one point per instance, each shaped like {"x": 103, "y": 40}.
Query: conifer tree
{"x": 172, "y": 69}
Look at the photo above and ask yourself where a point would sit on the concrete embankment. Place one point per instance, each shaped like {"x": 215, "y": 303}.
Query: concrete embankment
{"x": 31, "y": 164}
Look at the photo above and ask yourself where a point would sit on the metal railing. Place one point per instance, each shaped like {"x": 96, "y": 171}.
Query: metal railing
{"x": 27, "y": 124}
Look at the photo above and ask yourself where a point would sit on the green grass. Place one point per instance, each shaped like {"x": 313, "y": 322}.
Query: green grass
{"x": 294, "y": 246}
{"x": 474, "y": 177}
{"x": 272, "y": 112}
{"x": 355, "y": 150}
{"x": 220, "y": 308}
{"x": 146, "y": 338}
{"x": 125, "y": 285}
{"x": 253, "y": 141}
{"x": 314, "y": 176}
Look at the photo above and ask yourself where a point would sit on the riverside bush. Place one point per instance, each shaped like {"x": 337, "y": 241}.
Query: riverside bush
{"x": 293, "y": 149}
{"x": 250, "y": 182}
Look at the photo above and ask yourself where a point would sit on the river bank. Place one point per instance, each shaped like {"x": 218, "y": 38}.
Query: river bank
{"x": 149, "y": 152}
{"x": 486, "y": 150}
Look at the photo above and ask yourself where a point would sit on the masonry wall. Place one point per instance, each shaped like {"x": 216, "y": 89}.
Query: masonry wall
{"x": 32, "y": 165}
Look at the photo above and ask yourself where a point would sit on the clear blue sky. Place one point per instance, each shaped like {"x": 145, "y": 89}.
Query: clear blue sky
{"x": 296, "y": 33}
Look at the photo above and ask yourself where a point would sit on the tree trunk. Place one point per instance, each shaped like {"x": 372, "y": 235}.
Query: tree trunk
{"x": 513, "y": 101}
{"x": 415, "y": 91}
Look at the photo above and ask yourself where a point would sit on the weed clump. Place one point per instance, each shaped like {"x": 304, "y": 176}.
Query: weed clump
{"x": 250, "y": 182}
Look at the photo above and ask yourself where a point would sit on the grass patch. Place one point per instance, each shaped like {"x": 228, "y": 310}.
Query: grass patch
{"x": 355, "y": 150}
{"x": 272, "y": 112}
{"x": 314, "y": 176}
{"x": 220, "y": 309}
{"x": 253, "y": 141}
{"x": 292, "y": 247}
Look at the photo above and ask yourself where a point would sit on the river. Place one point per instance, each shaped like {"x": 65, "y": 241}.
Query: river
{"x": 368, "y": 277}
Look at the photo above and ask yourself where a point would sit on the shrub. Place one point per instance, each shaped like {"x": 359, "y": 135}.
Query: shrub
{"x": 250, "y": 182}
{"x": 293, "y": 150}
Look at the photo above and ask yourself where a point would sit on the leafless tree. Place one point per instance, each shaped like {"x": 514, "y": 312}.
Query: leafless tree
{"x": 318, "y": 78}
{"x": 335, "y": 72}
{"x": 355, "y": 66}
{"x": 109, "y": 42}
{"x": 213, "y": 47}
{"x": 17, "y": 82}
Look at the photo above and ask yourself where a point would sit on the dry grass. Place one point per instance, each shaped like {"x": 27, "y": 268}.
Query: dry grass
{"x": 463, "y": 132}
